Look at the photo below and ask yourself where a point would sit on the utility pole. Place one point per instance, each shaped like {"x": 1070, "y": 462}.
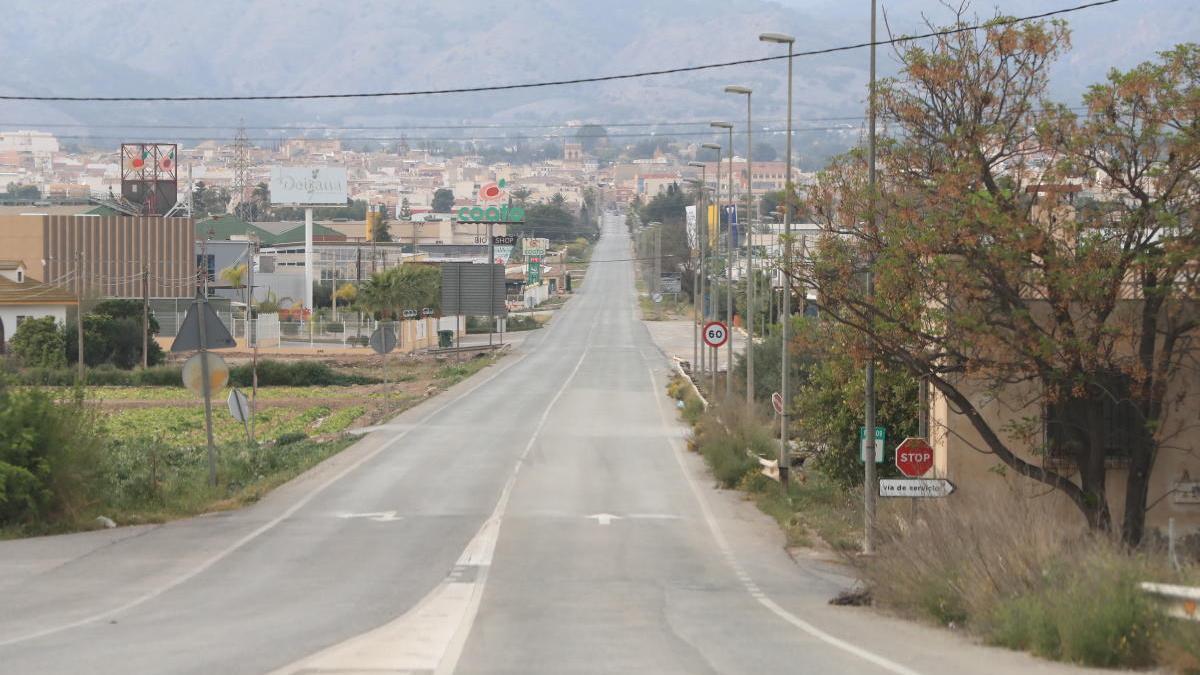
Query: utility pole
{"x": 252, "y": 324}
{"x": 728, "y": 264}
{"x": 751, "y": 216}
{"x": 658, "y": 258}
{"x": 81, "y": 373}
{"x": 145, "y": 315}
{"x": 869, "y": 489}
{"x": 492, "y": 280}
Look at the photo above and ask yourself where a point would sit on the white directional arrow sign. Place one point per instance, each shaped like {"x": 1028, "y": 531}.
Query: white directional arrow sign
{"x": 915, "y": 487}
{"x": 377, "y": 516}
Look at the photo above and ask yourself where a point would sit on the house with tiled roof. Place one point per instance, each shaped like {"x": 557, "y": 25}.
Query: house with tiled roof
{"x": 23, "y": 298}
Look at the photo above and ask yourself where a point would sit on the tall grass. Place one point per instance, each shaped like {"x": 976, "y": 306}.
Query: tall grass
{"x": 1011, "y": 570}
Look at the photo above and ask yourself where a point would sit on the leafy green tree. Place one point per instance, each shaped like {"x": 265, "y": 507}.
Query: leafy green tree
{"x": 23, "y": 192}
{"x": 553, "y": 222}
{"x": 443, "y": 200}
{"x": 380, "y": 230}
{"x": 208, "y": 200}
{"x": 49, "y": 451}
{"x": 828, "y": 403}
{"x": 989, "y": 281}
{"x": 40, "y": 343}
{"x": 346, "y": 293}
{"x": 405, "y": 213}
{"x": 112, "y": 334}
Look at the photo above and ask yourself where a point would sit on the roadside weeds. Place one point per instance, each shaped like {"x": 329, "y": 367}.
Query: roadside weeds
{"x": 1000, "y": 566}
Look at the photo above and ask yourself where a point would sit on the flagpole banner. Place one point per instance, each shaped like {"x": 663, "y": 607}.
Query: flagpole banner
{"x": 690, "y": 212}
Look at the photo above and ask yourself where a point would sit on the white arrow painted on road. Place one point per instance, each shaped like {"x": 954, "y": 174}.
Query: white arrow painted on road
{"x": 377, "y": 516}
{"x": 604, "y": 518}
{"x": 607, "y": 518}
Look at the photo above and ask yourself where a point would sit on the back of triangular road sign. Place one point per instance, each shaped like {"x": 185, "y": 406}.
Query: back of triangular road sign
{"x": 216, "y": 334}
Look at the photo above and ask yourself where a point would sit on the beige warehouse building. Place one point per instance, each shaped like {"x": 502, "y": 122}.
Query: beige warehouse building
{"x": 106, "y": 255}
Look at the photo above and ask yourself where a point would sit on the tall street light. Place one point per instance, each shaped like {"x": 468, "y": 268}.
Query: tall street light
{"x": 711, "y": 309}
{"x": 745, "y": 91}
{"x": 698, "y": 278}
{"x": 869, "y": 477}
{"x": 728, "y": 264}
{"x": 786, "y": 319}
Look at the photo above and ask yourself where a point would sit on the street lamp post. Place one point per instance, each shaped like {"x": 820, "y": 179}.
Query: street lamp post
{"x": 869, "y": 478}
{"x": 711, "y": 309}
{"x": 698, "y": 278}
{"x": 751, "y": 208}
{"x": 786, "y": 317}
{"x": 728, "y": 264}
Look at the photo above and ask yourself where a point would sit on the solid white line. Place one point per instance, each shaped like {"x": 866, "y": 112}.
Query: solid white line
{"x": 755, "y": 592}
{"x": 220, "y": 555}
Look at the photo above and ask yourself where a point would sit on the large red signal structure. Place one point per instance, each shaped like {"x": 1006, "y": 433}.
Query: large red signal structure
{"x": 150, "y": 176}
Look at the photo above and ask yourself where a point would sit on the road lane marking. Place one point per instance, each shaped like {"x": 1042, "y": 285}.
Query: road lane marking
{"x": 223, "y": 553}
{"x": 603, "y": 518}
{"x": 431, "y": 636}
{"x": 377, "y": 516}
{"x": 752, "y": 588}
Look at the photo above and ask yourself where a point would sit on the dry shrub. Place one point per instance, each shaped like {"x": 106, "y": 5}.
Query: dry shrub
{"x": 725, "y": 434}
{"x": 1016, "y": 572}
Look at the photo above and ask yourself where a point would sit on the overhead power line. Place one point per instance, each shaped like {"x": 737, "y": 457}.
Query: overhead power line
{"x": 465, "y": 139}
{"x": 558, "y": 83}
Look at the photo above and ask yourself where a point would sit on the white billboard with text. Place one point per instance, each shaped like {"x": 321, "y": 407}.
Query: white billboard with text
{"x": 308, "y": 185}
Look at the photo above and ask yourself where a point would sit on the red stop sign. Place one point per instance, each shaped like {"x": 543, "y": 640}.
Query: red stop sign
{"x": 914, "y": 457}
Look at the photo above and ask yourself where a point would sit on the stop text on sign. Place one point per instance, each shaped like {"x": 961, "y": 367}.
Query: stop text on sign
{"x": 914, "y": 457}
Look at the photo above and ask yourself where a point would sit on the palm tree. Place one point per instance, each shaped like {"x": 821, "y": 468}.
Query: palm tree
{"x": 389, "y": 292}
{"x": 234, "y": 275}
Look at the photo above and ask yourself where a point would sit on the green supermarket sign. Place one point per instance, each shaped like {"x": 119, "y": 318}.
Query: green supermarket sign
{"x": 491, "y": 214}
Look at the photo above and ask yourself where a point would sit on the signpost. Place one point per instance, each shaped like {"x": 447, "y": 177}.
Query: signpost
{"x": 880, "y": 437}
{"x": 202, "y": 330}
{"x": 308, "y": 186}
{"x": 715, "y": 334}
{"x": 777, "y": 403}
{"x": 914, "y": 457}
{"x": 917, "y": 488}
{"x": 383, "y": 340}
{"x": 239, "y": 407}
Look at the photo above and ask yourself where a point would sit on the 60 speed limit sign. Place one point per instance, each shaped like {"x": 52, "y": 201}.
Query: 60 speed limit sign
{"x": 715, "y": 334}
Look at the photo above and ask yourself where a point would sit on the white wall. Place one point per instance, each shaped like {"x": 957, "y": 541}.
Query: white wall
{"x": 9, "y": 314}
{"x": 535, "y": 295}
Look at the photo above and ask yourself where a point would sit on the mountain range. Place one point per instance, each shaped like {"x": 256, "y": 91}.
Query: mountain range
{"x": 240, "y": 47}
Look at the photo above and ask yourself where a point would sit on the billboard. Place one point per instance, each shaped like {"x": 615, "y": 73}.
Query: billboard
{"x": 467, "y": 289}
{"x": 308, "y": 185}
{"x": 535, "y": 247}
{"x": 149, "y": 176}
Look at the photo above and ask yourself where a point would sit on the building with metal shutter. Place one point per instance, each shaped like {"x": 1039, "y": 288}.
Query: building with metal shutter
{"x": 106, "y": 255}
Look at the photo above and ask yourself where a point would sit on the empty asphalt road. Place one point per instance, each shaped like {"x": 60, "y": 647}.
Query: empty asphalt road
{"x": 543, "y": 517}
